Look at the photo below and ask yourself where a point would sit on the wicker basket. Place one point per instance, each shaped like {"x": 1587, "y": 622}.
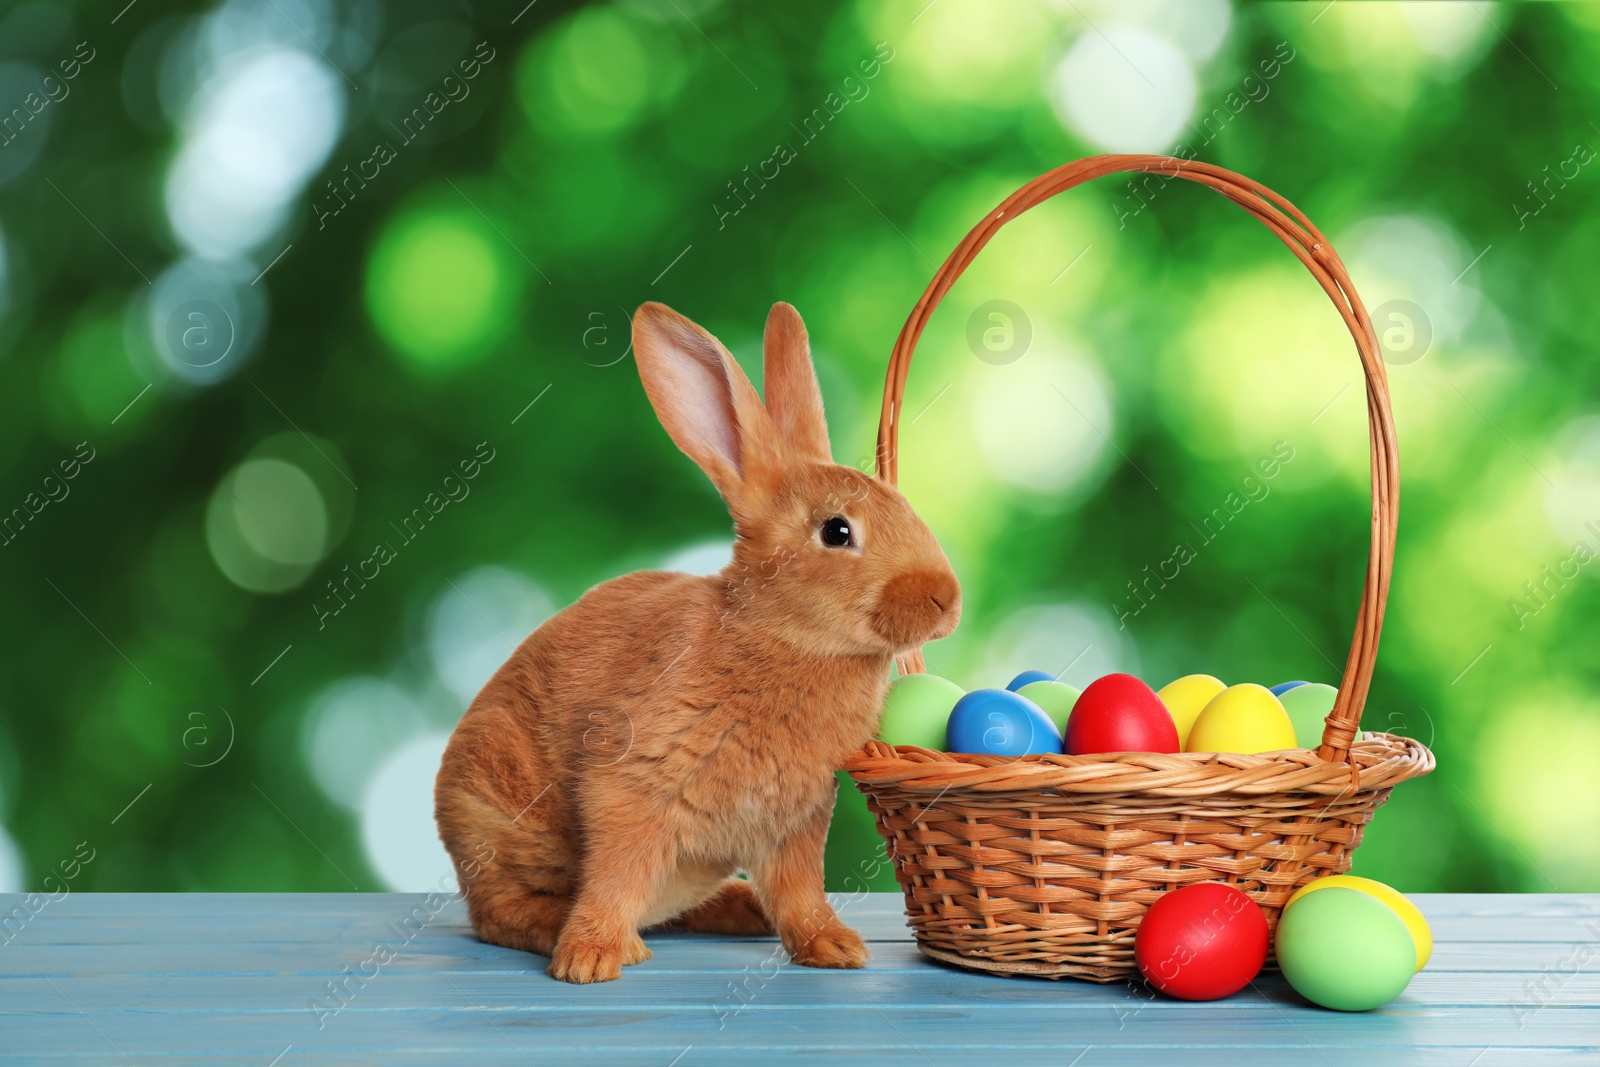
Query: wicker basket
{"x": 1044, "y": 865}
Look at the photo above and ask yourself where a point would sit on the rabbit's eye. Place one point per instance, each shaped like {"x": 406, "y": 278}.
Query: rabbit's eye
{"x": 836, "y": 532}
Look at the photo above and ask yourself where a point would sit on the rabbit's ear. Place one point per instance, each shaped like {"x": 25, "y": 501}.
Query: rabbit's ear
{"x": 794, "y": 402}
{"x": 702, "y": 397}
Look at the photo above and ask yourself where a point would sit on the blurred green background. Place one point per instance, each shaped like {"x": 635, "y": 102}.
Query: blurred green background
{"x": 271, "y": 273}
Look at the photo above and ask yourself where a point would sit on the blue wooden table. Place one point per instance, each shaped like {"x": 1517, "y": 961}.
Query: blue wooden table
{"x": 400, "y": 979}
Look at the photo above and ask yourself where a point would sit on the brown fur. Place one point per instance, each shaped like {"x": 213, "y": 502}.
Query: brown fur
{"x": 667, "y": 731}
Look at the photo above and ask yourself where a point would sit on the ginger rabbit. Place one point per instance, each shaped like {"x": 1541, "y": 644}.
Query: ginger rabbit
{"x": 667, "y": 731}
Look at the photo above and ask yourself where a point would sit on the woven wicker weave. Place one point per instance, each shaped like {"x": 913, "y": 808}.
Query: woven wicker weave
{"x": 1044, "y": 865}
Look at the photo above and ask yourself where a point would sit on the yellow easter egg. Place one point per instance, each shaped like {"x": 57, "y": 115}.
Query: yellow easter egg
{"x": 1186, "y": 698}
{"x": 1398, "y": 901}
{"x": 1242, "y": 718}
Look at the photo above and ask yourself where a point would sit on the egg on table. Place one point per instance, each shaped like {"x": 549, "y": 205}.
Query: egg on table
{"x": 1119, "y": 713}
{"x": 1186, "y": 698}
{"x": 916, "y": 710}
{"x": 1345, "y": 949}
{"x": 997, "y": 722}
{"x": 1416, "y": 925}
{"x": 1201, "y": 942}
{"x": 1243, "y": 718}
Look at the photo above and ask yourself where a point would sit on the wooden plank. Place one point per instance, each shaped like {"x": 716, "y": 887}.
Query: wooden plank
{"x": 475, "y": 1021}
{"x": 887, "y": 909}
{"x": 106, "y": 919}
{"x": 458, "y": 951}
{"x": 677, "y": 988}
{"x": 503, "y": 1055}
{"x": 219, "y": 979}
{"x": 885, "y": 905}
{"x": 48, "y": 929}
{"x": 1065, "y": 1055}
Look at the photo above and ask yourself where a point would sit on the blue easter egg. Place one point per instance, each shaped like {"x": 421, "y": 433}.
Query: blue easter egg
{"x": 1028, "y": 678}
{"x": 997, "y": 722}
{"x": 1283, "y": 687}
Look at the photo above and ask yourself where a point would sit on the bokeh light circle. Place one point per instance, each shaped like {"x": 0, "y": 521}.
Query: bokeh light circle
{"x": 478, "y": 621}
{"x": 594, "y": 74}
{"x": 267, "y": 525}
{"x": 280, "y": 512}
{"x": 261, "y": 127}
{"x": 1572, "y": 494}
{"x": 200, "y": 333}
{"x": 203, "y": 319}
{"x": 94, "y": 376}
{"x": 24, "y": 141}
{"x": 349, "y": 729}
{"x": 1042, "y": 424}
{"x": 705, "y": 558}
{"x": 999, "y": 332}
{"x": 1124, "y": 89}
{"x": 951, "y": 61}
{"x": 11, "y": 876}
{"x": 397, "y": 826}
{"x": 439, "y": 288}
{"x": 1418, "y": 259}
{"x": 1079, "y": 639}
{"x": 5, "y": 277}
{"x": 1405, "y": 333}
{"x": 1552, "y": 826}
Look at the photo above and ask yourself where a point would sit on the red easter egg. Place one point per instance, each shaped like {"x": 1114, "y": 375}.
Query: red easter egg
{"x": 1119, "y": 713}
{"x": 1201, "y": 942}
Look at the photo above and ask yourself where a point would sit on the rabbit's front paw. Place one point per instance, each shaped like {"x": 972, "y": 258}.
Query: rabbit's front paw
{"x": 833, "y": 946}
{"x": 581, "y": 962}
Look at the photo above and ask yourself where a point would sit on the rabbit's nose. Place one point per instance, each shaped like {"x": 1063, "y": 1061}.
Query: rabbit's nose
{"x": 945, "y": 594}
{"x": 918, "y": 605}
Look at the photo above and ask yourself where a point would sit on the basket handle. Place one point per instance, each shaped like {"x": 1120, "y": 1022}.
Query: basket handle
{"x": 1312, "y": 249}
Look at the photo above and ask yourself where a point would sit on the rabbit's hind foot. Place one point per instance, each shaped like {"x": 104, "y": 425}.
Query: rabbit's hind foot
{"x": 519, "y": 919}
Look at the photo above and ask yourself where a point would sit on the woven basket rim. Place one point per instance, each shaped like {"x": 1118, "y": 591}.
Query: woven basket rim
{"x": 1378, "y": 761}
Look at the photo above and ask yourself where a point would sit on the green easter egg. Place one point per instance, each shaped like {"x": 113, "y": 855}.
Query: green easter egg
{"x": 1307, "y": 706}
{"x": 1421, "y": 932}
{"x": 1056, "y": 698}
{"x": 1345, "y": 949}
{"x": 917, "y": 709}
